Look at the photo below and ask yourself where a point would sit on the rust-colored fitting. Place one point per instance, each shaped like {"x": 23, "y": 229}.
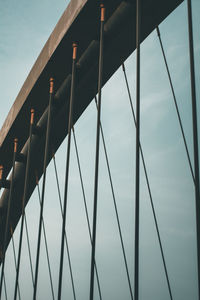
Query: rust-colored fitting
{"x": 102, "y": 12}
{"x": 1, "y": 172}
{"x": 11, "y": 230}
{"x": 15, "y": 145}
{"x": 51, "y": 85}
{"x": 74, "y": 46}
{"x": 32, "y": 115}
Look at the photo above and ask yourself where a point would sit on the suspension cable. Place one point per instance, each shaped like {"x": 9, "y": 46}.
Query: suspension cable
{"x": 86, "y": 209}
{"x": 74, "y": 57}
{"x": 195, "y": 136}
{"x": 149, "y": 189}
{"x": 45, "y": 241}
{"x": 29, "y": 248}
{"x": 24, "y": 199}
{"x": 175, "y": 102}
{"x": 4, "y": 279}
{"x": 137, "y": 167}
{"x": 8, "y": 214}
{"x": 46, "y": 155}
{"x": 61, "y": 209}
{"x": 5, "y": 288}
{"x": 15, "y": 259}
{"x": 115, "y": 207}
{"x": 100, "y": 77}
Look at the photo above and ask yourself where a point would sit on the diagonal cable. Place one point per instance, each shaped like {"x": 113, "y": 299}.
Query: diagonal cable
{"x": 15, "y": 258}
{"x": 29, "y": 248}
{"x": 115, "y": 207}
{"x": 149, "y": 189}
{"x": 45, "y": 164}
{"x": 5, "y": 288}
{"x": 86, "y": 209}
{"x": 7, "y": 215}
{"x": 65, "y": 235}
{"x": 175, "y": 103}
{"x": 24, "y": 199}
{"x": 45, "y": 241}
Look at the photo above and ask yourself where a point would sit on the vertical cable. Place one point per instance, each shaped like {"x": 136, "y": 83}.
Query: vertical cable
{"x": 46, "y": 155}
{"x": 100, "y": 76}
{"x": 195, "y": 136}
{"x": 74, "y": 56}
{"x": 25, "y": 195}
{"x": 8, "y": 214}
{"x": 137, "y": 170}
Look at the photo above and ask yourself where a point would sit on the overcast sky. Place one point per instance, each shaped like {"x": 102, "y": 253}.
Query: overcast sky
{"x": 24, "y": 28}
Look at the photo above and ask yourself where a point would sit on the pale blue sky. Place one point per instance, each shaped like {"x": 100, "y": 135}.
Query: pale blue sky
{"x": 24, "y": 28}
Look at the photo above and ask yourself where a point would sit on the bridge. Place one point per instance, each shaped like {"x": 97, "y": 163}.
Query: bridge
{"x": 72, "y": 243}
